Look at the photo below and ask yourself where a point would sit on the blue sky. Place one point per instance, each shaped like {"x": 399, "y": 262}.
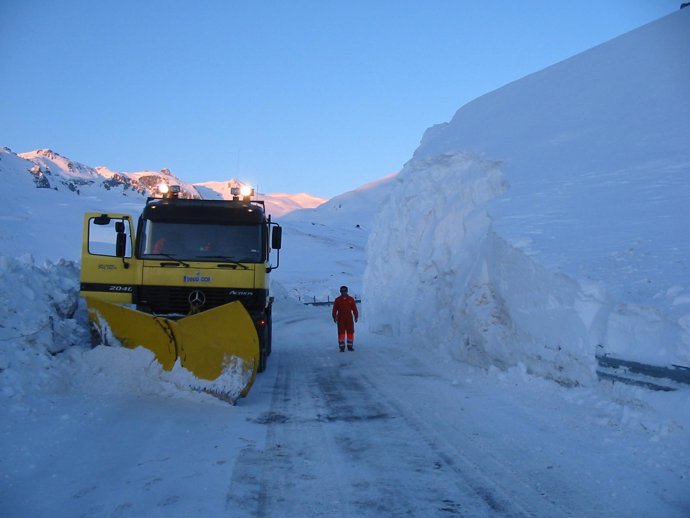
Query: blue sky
{"x": 300, "y": 96}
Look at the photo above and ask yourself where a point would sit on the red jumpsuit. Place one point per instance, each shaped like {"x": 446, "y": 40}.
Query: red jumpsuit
{"x": 345, "y": 314}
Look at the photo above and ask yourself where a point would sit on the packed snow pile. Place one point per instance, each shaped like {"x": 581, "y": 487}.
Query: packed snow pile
{"x": 39, "y": 319}
{"x": 544, "y": 225}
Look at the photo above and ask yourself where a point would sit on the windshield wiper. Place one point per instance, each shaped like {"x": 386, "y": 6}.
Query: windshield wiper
{"x": 168, "y": 256}
{"x": 225, "y": 260}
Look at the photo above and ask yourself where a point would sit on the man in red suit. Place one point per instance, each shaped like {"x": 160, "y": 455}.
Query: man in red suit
{"x": 345, "y": 314}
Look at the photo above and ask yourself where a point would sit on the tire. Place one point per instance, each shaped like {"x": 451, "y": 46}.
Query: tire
{"x": 262, "y": 360}
{"x": 269, "y": 334}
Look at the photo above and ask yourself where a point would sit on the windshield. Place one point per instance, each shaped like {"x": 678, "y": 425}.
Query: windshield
{"x": 201, "y": 241}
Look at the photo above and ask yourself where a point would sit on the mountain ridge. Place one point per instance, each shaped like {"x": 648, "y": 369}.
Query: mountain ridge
{"x": 49, "y": 169}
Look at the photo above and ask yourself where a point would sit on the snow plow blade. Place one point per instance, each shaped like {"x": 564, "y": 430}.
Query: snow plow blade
{"x": 208, "y": 343}
{"x": 212, "y": 340}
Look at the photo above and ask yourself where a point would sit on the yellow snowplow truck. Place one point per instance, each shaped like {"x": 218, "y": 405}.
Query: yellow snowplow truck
{"x": 190, "y": 283}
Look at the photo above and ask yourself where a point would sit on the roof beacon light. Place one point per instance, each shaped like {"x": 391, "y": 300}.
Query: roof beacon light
{"x": 169, "y": 191}
{"x": 244, "y": 191}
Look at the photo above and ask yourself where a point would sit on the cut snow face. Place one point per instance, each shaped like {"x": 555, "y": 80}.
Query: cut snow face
{"x": 584, "y": 250}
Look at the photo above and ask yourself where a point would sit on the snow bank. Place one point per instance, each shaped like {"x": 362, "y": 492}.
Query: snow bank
{"x": 574, "y": 243}
{"x": 39, "y": 319}
{"x": 421, "y": 249}
{"x": 438, "y": 271}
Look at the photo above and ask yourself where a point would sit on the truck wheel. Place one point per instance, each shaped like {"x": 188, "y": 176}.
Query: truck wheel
{"x": 95, "y": 335}
{"x": 269, "y": 336}
{"x": 262, "y": 360}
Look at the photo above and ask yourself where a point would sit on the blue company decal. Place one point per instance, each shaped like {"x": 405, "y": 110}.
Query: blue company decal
{"x": 196, "y": 278}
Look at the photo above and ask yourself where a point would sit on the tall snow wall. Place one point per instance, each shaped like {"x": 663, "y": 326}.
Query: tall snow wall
{"x": 438, "y": 276}
{"x": 575, "y": 243}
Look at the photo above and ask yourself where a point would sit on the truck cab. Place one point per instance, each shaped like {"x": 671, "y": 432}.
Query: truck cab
{"x": 186, "y": 256}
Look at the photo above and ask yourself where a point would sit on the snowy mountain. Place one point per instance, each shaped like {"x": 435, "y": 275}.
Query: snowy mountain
{"x": 545, "y": 224}
{"x": 54, "y": 171}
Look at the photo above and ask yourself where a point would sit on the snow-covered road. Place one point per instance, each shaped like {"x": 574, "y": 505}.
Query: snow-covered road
{"x": 385, "y": 431}
{"x": 366, "y": 434}
{"x": 382, "y": 431}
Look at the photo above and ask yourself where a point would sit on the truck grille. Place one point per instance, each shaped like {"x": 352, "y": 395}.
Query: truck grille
{"x": 174, "y": 299}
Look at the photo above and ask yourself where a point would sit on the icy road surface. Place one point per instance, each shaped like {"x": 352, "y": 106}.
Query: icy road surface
{"x": 382, "y": 431}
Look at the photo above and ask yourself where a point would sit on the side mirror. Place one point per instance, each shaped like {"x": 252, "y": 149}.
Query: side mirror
{"x": 121, "y": 244}
{"x": 121, "y": 239}
{"x": 276, "y": 237}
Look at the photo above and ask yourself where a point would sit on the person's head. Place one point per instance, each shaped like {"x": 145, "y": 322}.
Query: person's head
{"x": 343, "y": 290}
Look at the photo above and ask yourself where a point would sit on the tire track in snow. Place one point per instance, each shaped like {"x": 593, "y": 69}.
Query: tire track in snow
{"x": 295, "y": 473}
{"x": 365, "y": 434}
{"x": 337, "y": 446}
{"x": 506, "y": 491}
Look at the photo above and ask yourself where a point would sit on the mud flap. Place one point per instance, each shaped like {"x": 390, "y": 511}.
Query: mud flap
{"x": 206, "y": 343}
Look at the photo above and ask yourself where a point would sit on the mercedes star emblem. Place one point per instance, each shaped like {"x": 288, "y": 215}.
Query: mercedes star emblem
{"x": 197, "y": 298}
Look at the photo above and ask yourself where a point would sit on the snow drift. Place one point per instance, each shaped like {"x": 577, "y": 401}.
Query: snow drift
{"x": 542, "y": 225}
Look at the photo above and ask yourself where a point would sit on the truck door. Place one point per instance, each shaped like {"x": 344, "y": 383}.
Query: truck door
{"x": 109, "y": 270}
